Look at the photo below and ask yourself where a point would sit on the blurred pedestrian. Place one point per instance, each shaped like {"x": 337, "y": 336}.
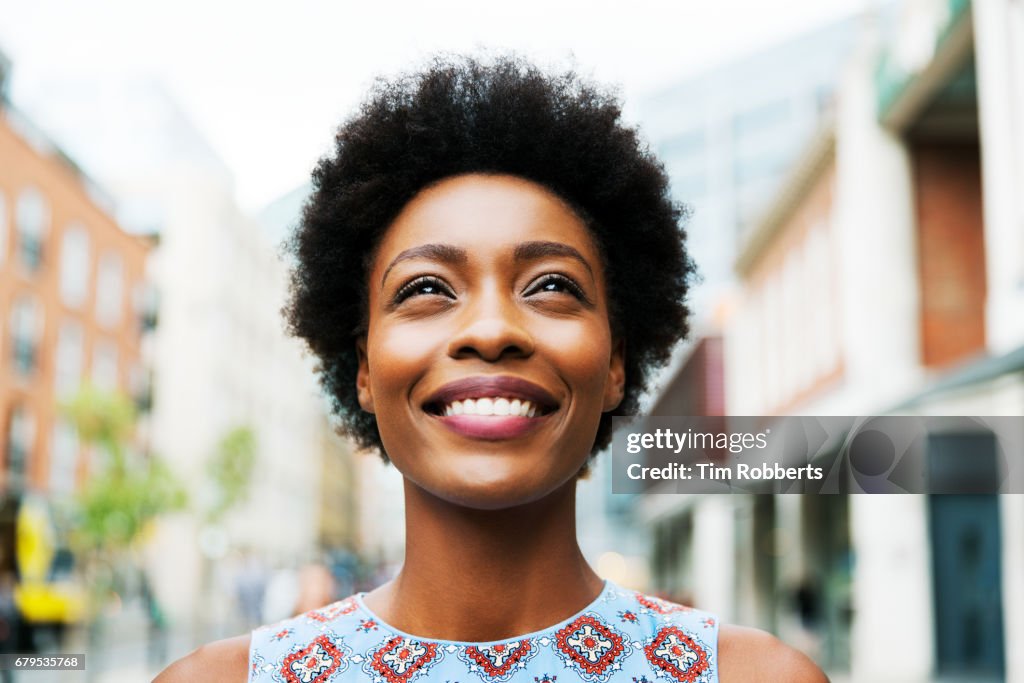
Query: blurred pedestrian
{"x": 250, "y": 585}
{"x": 156, "y": 643}
{"x": 282, "y": 595}
{"x": 9, "y": 621}
{"x": 316, "y": 588}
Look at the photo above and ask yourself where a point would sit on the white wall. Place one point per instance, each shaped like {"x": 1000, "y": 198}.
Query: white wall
{"x": 999, "y": 53}
{"x": 874, "y": 217}
{"x": 219, "y": 354}
{"x": 714, "y": 570}
{"x": 1011, "y": 511}
{"x": 893, "y": 631}
{"x": 221, "y": 360}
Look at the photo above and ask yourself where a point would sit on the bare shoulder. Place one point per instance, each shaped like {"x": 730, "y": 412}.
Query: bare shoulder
{"x": 748, "y": 654}
{"x": 224, "y": 660}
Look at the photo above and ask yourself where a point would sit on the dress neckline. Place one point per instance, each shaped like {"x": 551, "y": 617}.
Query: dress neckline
{"x": 606, "y": 589}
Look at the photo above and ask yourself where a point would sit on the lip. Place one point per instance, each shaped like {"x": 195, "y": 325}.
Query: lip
{"x": 493, "y": 385}
{"x": 491, "y": 427}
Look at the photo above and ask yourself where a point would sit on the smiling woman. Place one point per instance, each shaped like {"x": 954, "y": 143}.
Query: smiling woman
{"x": 487, "y": 293}
{"x": 489, "y": 268}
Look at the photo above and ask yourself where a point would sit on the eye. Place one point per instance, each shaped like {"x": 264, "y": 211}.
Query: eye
{"x": 426, "y": 285}
{"x": 555, "y": 282}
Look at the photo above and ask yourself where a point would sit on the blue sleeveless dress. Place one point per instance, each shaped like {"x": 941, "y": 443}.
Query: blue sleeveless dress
{"x": 621, "y": 636}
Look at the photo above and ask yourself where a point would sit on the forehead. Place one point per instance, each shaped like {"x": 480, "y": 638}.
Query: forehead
{"x": 485, "y": 214}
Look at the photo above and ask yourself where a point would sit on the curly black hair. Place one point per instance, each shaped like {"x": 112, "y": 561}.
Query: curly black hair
{"x": 464, "y": 115}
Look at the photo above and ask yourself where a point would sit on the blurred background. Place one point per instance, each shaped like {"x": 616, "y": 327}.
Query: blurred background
{"x": 170, "y": 474}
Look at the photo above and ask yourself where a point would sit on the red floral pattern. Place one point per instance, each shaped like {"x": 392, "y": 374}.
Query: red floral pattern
{"x": 314, "y": 663}
{"x": 622, "y": 635}
{"x": 659, "y": 605}
{"x": 498, "y": 661}
{"x": 590, "y": 644}
{"x": 399, "y": 659}
{"x": 676, "y": 653}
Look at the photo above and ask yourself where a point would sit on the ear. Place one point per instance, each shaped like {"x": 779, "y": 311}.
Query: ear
{"x": 363, "y": 390}
{"x": 614, "y": 386}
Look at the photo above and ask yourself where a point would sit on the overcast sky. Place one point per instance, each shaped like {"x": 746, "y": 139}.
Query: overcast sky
{"x": 267, "y": 83}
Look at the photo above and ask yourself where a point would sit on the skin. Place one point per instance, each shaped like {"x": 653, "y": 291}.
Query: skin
{"x": 486, "y": 313}
{"x": 490, "y": 524}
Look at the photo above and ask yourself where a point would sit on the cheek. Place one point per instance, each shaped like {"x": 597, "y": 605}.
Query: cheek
{"x": 398, "y": 356}
{"x": 583, "y": 353}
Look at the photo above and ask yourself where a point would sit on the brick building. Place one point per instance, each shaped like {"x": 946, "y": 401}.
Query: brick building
{"x": 72, "y": 286}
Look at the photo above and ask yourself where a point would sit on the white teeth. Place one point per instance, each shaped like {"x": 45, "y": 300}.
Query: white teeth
{"x": 484, "y": 406}
{"x": 501, "y": 406}
{"x": 497, "y": 405}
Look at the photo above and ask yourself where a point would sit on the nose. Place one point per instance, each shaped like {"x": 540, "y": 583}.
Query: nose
{"x": 491, "y": 327}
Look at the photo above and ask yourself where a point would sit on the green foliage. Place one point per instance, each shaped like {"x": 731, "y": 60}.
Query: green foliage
{"x": 125, "y": 491}
{"x": 102, "y": 418}
{"x": 230, "y": 468}
{"x": 116, "y": 504}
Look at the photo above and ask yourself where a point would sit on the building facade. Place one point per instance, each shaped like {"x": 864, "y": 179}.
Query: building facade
{"x": 221, "y": 358}
{"x": 73, "y": 311}
{"x": 879, "y": 279}
{"x": 728, "y": 135}
{"x": 72, "y": 295}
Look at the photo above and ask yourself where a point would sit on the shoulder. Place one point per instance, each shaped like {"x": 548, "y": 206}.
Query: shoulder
{"x": 224, "y": 660}
{"x": 748, "y": 654}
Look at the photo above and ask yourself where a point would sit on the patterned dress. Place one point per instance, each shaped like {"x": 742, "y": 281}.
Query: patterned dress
{"x": 621, "y": 636}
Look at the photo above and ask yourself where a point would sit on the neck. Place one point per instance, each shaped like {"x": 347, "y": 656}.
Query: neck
{"x": 482, "y": 575}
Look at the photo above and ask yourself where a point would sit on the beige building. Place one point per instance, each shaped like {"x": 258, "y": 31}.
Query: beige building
{"x": 220, "y": 356}
{"x": 880, "y": 280}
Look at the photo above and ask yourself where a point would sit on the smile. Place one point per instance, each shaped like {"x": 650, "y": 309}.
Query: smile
{"x": 491, "y": 407}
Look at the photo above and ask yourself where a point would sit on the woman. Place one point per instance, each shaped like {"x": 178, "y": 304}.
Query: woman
{"x": 490, "y": 267}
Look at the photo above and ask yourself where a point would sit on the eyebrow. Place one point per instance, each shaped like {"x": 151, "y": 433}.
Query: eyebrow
{"x": 527, "y": 251}
{"x": 445, "y": 253}
{"x": 531, "y": 251}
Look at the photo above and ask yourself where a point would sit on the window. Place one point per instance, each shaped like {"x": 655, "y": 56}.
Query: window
{"x": 26, "y": 329}
{"x": 147, "y": 304}
{"x": 74, "y": 266}
{"x": 688, "y": 145}
{"x": 750, "y": 168}
{"x": 104, "y": 365}
{"x": 64, "y": 459}
{"x": 21, "y": 437}
{"x": 33, "y": 222}
{"x": 110, "y": 289}
{"x": 70, "y": 358}
{"x": 761, "y": 118}
{"x": 141, "y": 387}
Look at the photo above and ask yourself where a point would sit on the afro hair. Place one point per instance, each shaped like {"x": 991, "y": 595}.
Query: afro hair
{"x": 463, "y": 115}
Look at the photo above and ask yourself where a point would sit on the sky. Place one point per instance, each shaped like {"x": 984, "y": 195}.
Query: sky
{"x": 267, "y": 83}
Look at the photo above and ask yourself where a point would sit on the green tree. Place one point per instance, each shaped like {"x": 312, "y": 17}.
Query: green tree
{"x": 124, "y": 491}
{"x": 230, "y": 469}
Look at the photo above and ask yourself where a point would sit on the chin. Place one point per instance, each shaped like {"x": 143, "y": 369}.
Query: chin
{"x": 483, "y": 484}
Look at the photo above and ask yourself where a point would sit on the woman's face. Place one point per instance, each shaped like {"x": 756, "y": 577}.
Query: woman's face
{"x": 489, "y": 357}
